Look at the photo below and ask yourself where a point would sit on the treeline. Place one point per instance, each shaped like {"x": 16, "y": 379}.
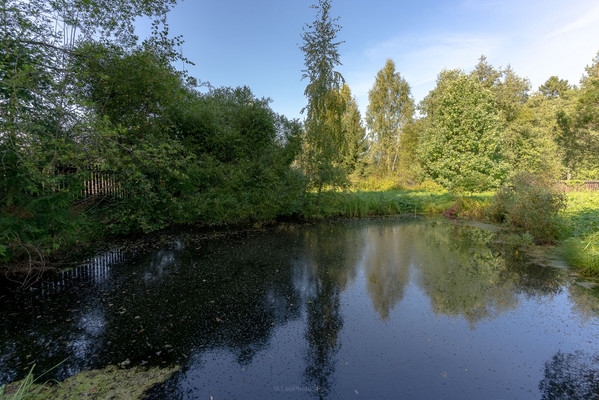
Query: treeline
{"x": 477, "y": 130}
{"x": 473, "y": 132}
{"x": 81, "y": 96}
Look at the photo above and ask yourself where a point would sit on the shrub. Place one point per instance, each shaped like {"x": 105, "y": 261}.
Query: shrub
{"x": 529, "y": 204}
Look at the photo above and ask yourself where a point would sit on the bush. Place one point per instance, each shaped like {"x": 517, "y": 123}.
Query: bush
{"x": 531, "y": 205}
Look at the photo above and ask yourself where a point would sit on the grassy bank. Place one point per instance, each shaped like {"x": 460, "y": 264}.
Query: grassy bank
{"x": 576, "y": 226}
{"x": 363, "y": 204}
{"x": 580, "y": 245}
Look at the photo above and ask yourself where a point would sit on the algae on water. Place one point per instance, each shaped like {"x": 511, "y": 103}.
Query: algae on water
{"x": 108, "y": 383}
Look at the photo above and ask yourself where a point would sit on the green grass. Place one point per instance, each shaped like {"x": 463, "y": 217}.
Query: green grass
{"x": 580, "y": 221}
{"x": 581, "y": 216}
{"x": 363, "y": 204}
{"x": 24, "y": 389}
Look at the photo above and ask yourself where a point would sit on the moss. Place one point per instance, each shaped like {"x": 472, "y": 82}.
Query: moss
{"x": 107, "y": 383}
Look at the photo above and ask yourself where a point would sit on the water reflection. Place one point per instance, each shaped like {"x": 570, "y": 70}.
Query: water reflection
{"x": 462, "y": 275}
{"x": 387, "y": 262}
{"x": 291, "y": 311}
{"x": 328, "y": 266}
{"x": 573, "y": 376}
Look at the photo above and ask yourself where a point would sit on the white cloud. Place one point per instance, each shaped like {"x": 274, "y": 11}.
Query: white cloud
{"x": 588, "y": 18}
{"x": 559, "y": 40}
{"x": 419, "y": 60}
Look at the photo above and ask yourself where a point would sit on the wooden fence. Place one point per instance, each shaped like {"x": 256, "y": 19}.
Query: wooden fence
{"x": 102, "y": 183}
{"x": 577, "y": 186}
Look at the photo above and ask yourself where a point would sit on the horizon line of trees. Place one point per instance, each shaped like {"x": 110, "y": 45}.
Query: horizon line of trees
{"x": 472, "y": 132}
{"x": 79, "y": 92}
{"x": 476, "y": 130}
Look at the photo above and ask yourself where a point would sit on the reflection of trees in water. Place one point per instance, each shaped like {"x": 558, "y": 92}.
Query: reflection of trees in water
{"x": 534, "y": 278}
{"x": 462, "y": 275}
{"x": 330, "y": 262}
{"x": 573, "y": 376}
{"x": 387, "y": 264}
{"x": 324, "y": 324}
{"x": 585, "y": 299}
{"x": 231, "y": 294}
{"x": 461, "y": 268}
{"x": 164, "y": 306}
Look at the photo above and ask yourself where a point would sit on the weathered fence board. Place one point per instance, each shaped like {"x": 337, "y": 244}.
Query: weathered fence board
{"x": 569, "y": 186}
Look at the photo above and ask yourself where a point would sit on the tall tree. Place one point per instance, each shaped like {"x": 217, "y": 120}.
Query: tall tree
{"x": 530, "y": 138}
{"x": 579, "y": 129}
{"x": 511, "y": 93}
{"x": 460, "y": 146}
{"x": 354, "y": 133}
{"x": 323, "y": 128}
{"x": 390, "y": 110}
{"x": 486, "y": 74}
{"x": 555, "y": 87}
{"x": 527, "y": 124}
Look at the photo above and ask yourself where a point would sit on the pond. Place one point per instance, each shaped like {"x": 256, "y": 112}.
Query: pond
{"x": 393, "y": 308}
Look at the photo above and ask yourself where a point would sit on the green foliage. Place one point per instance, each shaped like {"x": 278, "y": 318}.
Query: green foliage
{"x": 321, "y": 159}
{"x": 486, "y": 74}
{"x": 105, "y": 104}
{"x": 377, "y": 203}
{"x": 579, "y": 128}
{"x": 468, "y": 207}
{"x": 581, "y": 216}
{"x": 511, "y": 94}
{"x": 410, "y": 170}
{"x": 136, "y": 89}
{"x": 25, "y": 389}
{"x": 245, "y": 152}
{"x": 555, "y": 88}
{"x": 390, "y": 109}
{"x": 581, "y": 225}
{"x": 354, "y": 134}
{"x": 531, "y": 205}
{"x": 460, "y": 144}
{"x": 582, "y": 253}
{"x": 529, "y": 138}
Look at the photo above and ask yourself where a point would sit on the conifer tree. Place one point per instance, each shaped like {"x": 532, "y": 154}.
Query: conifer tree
{"x": 323, "y": 141}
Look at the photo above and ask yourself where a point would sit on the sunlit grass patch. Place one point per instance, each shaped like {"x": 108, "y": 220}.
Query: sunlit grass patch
{"x": 361, "y": 204}
{"x": 582, "y": 252}
{"x": 581, "y": 216}
{"x": 580, "y": 220}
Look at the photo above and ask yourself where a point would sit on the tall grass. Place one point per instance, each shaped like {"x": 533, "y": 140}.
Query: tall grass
{"x": 365, "y": 204}
{"x": 25, "y": 389}
{"x": 581, "y": 228}
{"x": 582, "y": 253}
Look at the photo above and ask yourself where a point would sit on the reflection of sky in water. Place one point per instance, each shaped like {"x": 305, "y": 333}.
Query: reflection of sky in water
{"x": 372, "y": 309}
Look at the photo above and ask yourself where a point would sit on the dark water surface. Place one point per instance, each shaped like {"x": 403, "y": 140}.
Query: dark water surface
{"x": 384, "y": 309}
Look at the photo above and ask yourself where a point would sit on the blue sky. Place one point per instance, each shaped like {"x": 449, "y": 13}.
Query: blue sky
{"x": 256, "y": 42}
